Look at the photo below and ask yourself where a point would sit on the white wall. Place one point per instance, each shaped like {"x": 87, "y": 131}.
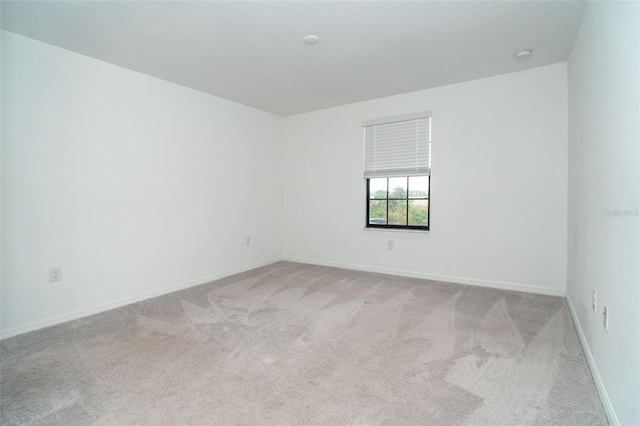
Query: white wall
{"x": 604, "y": 158}
{"x": 135, "y": 186}
{"x": 499, "y": 184}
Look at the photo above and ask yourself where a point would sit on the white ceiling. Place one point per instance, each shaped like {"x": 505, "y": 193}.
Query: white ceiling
{"x": 252, "y": 52}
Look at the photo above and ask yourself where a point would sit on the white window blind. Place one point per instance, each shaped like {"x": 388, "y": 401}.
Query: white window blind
{"x": 397, "y": 146}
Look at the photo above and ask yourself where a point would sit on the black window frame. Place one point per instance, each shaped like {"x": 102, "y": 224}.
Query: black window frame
{"x": 406, "y": 199}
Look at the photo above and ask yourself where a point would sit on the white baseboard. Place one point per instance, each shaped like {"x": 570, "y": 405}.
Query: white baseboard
{"x": 59, "y": 319}
{"x": 451, "y": 279}
{"x": 36, "y": 325}
{"x": 604, "y": 397}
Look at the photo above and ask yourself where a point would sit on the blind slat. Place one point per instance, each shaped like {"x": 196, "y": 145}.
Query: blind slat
{"x": 397, "y": 148}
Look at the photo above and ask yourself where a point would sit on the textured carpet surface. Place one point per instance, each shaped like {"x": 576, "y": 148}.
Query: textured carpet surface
{"x": 298, "y": 344}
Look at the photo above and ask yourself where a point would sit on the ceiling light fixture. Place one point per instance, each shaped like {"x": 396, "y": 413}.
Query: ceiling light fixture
{"x": 310, "y": 39}
{"x": 523, "y": 55}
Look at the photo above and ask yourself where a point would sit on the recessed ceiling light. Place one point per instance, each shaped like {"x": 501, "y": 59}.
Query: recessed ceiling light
{"x": 522, "y": 55}
{"x": 310, "y": 39}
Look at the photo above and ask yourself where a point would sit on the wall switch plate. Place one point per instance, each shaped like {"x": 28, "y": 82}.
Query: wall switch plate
{"x": 389, "y": 244}
{"x": 594, "y": 301}
{"x": 55, "y": 274}
{"x": 605, "y": 314}
{"x": 247, "y": 241}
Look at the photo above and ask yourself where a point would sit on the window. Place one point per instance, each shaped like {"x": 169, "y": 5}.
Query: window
{"x": 398, "y": 171}
{"x": 398, "y": 202}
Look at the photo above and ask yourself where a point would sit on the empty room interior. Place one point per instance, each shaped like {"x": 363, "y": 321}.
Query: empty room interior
{"x": 320, "y": 212}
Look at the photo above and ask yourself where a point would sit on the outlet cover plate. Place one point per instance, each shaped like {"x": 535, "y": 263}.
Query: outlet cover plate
{"x": 55, "y": 274}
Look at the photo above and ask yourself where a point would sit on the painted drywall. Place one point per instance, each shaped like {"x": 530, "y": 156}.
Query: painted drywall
{"x": 498, "y": 192}
{"x": 604, "y": 190}
{"x": 0, "y": 175}
{"x": 133, "y": 185}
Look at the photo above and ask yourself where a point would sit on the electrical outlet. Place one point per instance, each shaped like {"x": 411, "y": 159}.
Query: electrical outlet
{"x": 389, "y": 244}
{"x": 605, "y": 314}
{"x": 594, "y": 301}
{"x": 247, "y": 242}
{"x": 55, "y": 274}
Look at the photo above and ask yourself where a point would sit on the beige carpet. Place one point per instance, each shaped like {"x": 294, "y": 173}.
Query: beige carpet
{"x": 294, "y": 344}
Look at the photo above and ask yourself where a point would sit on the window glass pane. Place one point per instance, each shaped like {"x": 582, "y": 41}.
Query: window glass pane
{"x": 418, "y": 186}
{"x": 397, "y": 212}
{"x": 398, "y": 187}
{"x": 378, "y": 212}
{"x": 418, "y": 212}
{"x": 378, "y": 188}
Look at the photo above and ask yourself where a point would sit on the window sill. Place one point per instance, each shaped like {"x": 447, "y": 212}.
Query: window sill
{"x": 410, "y": 231}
